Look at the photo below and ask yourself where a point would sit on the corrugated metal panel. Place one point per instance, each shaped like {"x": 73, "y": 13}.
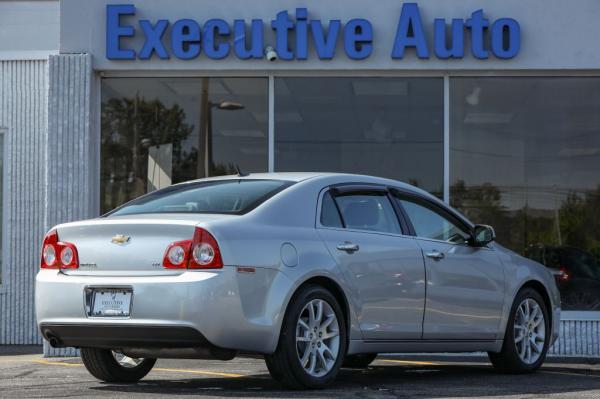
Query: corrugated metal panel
{"x": 23, "y": 113}
{"x": 59, "y": 352}
{"x": 73, "y": 145}
{"x": 43, "y": 136}
{"x": 578, "y": 338}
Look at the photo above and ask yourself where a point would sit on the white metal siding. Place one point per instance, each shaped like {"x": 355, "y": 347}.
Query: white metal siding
{"x": 73, "y": 146}
{"x": 23, "y": 113}
{"x": 73, "y": 142}
{"x": 578, "y": 338}
{"x": 51, "y": 171}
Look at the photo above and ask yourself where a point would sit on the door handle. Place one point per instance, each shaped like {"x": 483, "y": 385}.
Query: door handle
{"x": 437, "y": 255}
{"x": 348, "y": 247}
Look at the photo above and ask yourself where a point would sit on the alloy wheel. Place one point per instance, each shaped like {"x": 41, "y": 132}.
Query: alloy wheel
{"x": 126, "y": 361}
{"x": 317, "y": 338}
{"x": 530, "y": 331}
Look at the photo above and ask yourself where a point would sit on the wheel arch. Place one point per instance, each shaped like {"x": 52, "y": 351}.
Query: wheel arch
{"x": 336, "y": 290}
{"x": 543, "y": 291}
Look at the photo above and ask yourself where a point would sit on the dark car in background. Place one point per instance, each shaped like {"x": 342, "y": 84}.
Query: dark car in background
{"x": 577, "y": 274}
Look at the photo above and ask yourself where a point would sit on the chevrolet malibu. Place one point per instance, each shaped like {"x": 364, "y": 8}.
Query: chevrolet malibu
{"x": 313, "y": 271}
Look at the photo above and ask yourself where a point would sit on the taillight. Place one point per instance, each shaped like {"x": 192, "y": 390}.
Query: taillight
{"x": 177, "y": 255}
{"x": 50, "y": 251}
{"x": 564, "y": 274}
{"x": 57, "y": 254}
{"x": 205, "y": 251}
{"x": 201, "y": 252}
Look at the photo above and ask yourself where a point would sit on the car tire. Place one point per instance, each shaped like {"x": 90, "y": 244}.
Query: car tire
{"x": 102, "y": 364}
{"x": 359, "y": 361}
{"x": 513, "y": 357}
{"x": 300, "y": 342}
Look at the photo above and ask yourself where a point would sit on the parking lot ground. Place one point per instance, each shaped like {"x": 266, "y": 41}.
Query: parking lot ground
{"x": 32, "y": 376}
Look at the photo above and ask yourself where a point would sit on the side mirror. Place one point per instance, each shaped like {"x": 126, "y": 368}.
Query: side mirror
{"x": 482, "y": 235}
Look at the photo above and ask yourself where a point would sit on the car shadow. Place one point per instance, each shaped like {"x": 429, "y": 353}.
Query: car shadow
{"x": 430, "y": 381}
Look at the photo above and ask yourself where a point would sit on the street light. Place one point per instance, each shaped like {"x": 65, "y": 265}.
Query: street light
{"x": 207, "y": 129}
{"x": 205, "y": 136}
{"x": 227, "y": 105}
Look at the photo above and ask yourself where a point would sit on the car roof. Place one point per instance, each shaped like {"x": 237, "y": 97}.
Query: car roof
{"x": 288, "y": 176}
{"x": 331, "y": 177}
{"x": 341, "y": 178}
{"x": 303, "y": 176}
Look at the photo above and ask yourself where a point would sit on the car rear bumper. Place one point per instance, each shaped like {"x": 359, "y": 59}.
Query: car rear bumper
{"x": 120, "y": 336}
{"x": 225, "y": 309}
{"x": 136, "y": 341}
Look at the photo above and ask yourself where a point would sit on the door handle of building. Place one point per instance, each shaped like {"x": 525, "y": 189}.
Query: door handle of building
{"x": 348, "y": 247}
{"x": 437, "y": 255}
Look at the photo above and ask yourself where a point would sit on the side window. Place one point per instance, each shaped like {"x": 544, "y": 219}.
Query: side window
{"x": 330, "y": 216}
{"x": 369, "y": 212}
{"x": 430, "y": 224}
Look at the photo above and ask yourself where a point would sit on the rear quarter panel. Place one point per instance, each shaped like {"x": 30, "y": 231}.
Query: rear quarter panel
{"x": 281, "y": 235}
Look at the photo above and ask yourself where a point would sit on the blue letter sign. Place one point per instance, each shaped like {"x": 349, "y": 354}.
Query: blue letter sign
{"x": 298, "y": 37}
{"x": 114, "y": 32}
{"x": 410, "y": 32}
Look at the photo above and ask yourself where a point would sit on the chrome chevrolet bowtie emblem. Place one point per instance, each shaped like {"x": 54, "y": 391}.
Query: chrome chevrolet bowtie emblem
{"x": 120, "y": 239}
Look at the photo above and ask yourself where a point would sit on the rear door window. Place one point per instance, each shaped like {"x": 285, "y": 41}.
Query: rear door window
{"x": 222, "y": 196}
{"x": 369, "y": 212}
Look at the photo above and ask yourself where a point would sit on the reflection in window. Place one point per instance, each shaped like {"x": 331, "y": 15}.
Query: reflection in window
{"x": 220, "y": 196}
{"x": 525, "y": 158}
{"x": 368, "y": 212}
{"x": 160, "y": 131}
{"x": 430, "y": 224}
{"x": 389, "y": 127}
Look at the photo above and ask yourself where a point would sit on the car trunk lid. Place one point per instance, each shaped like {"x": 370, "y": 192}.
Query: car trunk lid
{"x": 128, "y": 245}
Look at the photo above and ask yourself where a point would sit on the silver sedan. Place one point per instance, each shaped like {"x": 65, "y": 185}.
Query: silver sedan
{"x": 315, "y": 271}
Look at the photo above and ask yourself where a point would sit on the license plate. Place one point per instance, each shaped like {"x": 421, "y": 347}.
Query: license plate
{"x": 111, "y": 303}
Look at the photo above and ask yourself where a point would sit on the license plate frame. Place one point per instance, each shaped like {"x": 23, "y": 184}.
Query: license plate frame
{"x": 108, "y": 302}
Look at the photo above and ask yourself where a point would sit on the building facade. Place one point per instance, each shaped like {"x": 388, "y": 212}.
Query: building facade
{"x": 491, "y": 106}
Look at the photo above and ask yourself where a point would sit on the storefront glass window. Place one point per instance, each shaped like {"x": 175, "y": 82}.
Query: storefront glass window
{"x": 389, "y": 127}
{"x": 525, "y": 158}
{"x": 160, "y": 131}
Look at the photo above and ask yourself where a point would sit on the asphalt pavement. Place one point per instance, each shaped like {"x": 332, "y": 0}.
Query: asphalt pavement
{"x": 32, "y": 376}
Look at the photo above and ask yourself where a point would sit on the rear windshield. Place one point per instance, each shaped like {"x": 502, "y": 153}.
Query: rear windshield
{"x": 224, "y": 196}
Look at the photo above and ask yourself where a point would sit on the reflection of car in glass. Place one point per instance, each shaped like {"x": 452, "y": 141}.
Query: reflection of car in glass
{"x": 577, "y": 274}
{"x": 313, "y": 271}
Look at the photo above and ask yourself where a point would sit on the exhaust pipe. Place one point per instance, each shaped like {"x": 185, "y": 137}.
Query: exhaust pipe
{"x": 53, "y": 341}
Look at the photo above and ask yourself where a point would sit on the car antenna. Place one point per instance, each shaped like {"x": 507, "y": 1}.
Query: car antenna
{"x": 240, "y": 172}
